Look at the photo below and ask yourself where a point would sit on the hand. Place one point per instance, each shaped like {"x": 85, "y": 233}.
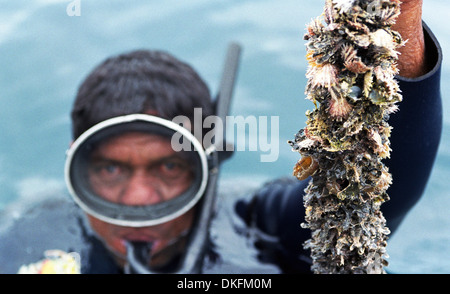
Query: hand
{"x": 412, "y": 61}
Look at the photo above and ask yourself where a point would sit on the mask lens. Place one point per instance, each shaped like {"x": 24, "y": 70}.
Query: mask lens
{"x": 137, "y": 170}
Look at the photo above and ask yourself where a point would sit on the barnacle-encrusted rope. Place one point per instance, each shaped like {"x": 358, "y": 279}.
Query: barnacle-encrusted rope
{"x": 351, "y": 51}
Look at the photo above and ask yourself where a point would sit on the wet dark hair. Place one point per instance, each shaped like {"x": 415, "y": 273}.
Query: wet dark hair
{"x": 138, "y": 82}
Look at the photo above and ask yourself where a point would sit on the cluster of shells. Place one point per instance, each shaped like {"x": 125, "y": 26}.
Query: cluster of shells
{"x": 351, "y": 51}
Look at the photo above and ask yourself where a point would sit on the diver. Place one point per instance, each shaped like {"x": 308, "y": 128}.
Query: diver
{"x": 149, "y": 202}
{"x": 148, "y": 184}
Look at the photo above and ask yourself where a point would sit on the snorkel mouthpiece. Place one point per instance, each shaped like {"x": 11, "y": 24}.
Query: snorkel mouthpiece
{"x": 138, "y": 257}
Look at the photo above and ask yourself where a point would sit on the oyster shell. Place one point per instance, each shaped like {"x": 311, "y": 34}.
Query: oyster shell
{"x": 351, "y": 52}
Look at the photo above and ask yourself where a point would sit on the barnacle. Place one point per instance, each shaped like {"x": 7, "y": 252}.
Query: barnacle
{"x": 305, "y": 167}
{"x": 381, "y": 38}
{"x": 352, "y": 55}
{"x": 339, "y": 108}
{"x": 356, "y": 65}
{"x": 315, "y": 27}
{"x": 322, "y": 76}
{"x": 389, "y": 16}
{"x": 352, "y": 62}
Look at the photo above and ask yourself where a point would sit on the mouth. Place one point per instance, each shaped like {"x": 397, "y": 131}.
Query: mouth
{"x": 140, "y": 237}
{"x": 134, "y": 237}
{"x": 158, "y": 244}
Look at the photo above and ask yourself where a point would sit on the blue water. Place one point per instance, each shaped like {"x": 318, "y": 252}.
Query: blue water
{"x": 45, "y": 53}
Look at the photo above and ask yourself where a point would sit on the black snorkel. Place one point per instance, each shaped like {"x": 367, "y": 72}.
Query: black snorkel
{"x": 138, "y": 253}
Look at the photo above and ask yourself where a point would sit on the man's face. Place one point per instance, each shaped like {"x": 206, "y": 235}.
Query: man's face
{"x": 141, "y": 169}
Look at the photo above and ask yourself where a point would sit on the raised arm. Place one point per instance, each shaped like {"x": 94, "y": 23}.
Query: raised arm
{"x": 412, "y": 61}
{"x": 276, "y": 210}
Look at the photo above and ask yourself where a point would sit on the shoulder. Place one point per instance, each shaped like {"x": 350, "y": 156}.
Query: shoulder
{"x": 28, "y": 232}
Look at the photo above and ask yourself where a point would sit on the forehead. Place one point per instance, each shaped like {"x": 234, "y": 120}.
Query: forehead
{"x": 133, "y": 137}
{"x": 135, "y": 142}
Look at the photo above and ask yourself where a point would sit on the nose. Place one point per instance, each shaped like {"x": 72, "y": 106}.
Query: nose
{"x": 141, "y": 189}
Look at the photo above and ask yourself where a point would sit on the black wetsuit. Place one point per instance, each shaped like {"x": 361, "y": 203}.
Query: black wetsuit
{"x": 276, "y": 210}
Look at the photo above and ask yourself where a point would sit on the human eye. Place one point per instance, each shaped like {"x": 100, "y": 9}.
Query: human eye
{"x": 173, "y": 168}
{"x": 109, "y": 172}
